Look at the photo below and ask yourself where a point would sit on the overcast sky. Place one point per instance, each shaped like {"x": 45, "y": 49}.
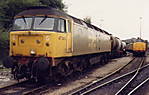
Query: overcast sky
{"x": 119, "y": 17}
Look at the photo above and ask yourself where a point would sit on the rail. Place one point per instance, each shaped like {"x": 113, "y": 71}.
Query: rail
{"x": 117, "y": 78}
{"x": 86, "y": 87}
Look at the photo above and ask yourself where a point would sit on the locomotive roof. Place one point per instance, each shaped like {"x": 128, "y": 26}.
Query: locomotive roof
{"x": 41, "y": 10}
{"x": 33, "y": 11}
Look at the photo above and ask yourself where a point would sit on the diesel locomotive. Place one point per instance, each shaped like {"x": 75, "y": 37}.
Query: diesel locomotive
{"x": 45, "y": 42}
{"x": 138, "y": 48}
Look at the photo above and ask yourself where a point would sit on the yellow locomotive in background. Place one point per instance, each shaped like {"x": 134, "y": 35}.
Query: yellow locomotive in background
{"x": 45, "y": 42}
{"x": 138, "y": 48}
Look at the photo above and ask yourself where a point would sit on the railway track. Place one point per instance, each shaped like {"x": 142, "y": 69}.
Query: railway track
{"x": 138, "y": 86}
{"x": 31, "y": 89}
{"x": 99, "y": 83}
{"x": 38, "y": 90}
{"x": 122, "y": 90}
{"x": 23, "y": 88}
{"x": 8, "y": 89}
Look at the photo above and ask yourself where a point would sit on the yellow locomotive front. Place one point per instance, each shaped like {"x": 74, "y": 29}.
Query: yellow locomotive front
{"x": 139, "y": 48}
{"x": 39, "y": 37}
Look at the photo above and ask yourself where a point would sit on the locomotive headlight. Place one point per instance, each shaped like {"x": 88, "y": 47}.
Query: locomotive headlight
{"x": 32, "y": 52}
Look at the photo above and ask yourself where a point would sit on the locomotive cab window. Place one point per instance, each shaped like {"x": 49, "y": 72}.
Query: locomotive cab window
{"x": 40, "y": 23}
{"x": 44, "y": 23}
{"x": 22, "y": 24}
{"x": 61, "y": 25}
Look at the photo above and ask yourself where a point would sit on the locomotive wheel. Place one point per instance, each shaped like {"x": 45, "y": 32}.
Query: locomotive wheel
{"x": 40, "y": 69}
{"x": 20, "y": 72}
{"x": 85, "y": 63}
{"x": 81, "y": 65}
{"x": 43, "y": 64}
{"x": 106, "y": 58}
{"x": 65, "y": 69}
{"x": 15, "y": 72}
{"x": 102, "y": 59}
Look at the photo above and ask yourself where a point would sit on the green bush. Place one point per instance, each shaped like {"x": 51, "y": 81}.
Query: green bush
{"x": 4, "y": 44}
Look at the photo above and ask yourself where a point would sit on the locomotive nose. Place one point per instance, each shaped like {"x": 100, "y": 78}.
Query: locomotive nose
{"x": 34, "y": 44}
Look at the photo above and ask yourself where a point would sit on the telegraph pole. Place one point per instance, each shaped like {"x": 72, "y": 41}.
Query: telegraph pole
{"x": 140, "y": 27}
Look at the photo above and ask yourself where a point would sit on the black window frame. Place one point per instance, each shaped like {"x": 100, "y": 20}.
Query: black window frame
{"x": 33, "y": 21}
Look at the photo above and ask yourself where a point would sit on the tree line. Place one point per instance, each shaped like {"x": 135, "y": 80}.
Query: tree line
{"x": 9, "y": 8}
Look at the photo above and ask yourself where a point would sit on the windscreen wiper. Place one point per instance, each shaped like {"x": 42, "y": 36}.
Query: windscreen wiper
{"x": 24, "y": 20}
{"x": 43, "y": 20}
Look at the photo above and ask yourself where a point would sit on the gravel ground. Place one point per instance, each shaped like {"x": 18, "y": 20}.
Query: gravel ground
{"x": 6, "y": 77}
{"x": 91, "y": 76}
{"x": 111, "y": 89}
{"x": 144, "y": 90}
